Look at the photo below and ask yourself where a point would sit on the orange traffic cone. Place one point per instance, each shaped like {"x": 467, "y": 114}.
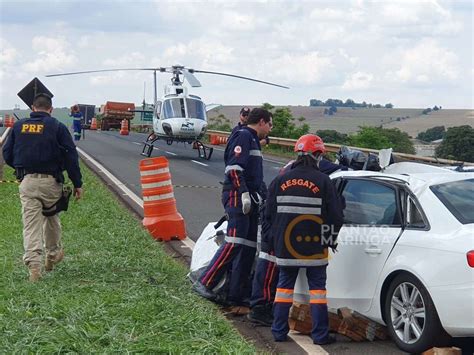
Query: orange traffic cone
{"x": 124, "y": 128}
{"x": 161, "y": 217}
{"x": 93, "y": 124}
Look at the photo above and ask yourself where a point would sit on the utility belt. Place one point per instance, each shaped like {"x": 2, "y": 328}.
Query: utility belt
{"x": 20, "y": 174}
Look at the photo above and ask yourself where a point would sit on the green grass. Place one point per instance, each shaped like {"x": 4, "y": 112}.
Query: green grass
{"x": 115, "y": 291}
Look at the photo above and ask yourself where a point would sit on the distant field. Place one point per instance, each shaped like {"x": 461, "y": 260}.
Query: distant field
{"x": 347, "y": 120}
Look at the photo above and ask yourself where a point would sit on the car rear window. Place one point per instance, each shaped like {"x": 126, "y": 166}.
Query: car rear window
{"x": 458, "y": 197}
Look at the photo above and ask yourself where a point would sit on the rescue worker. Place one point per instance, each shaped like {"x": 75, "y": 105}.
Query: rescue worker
{"x": 305, "y": 216}
{"x": 76, "y": 115}
{"x": 40, "y": 148}
{"x": 266, "y": 272}
{"x": 244, "y": 114}
{"x": 243, "y": 179}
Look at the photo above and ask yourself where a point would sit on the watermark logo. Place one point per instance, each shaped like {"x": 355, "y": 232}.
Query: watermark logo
{"x": 299, "y": 245}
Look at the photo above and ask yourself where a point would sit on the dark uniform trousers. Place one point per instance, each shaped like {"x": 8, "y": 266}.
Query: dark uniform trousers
{"x": 264, "y": 281}
{"x": 284, "y": 299}
{"x": 235, "y": 256}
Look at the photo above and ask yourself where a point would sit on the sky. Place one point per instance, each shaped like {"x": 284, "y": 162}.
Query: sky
{"x": 413, "y": 54}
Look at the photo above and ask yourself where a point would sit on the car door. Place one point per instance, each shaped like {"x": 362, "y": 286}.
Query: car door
{"x": 372, "y": 224}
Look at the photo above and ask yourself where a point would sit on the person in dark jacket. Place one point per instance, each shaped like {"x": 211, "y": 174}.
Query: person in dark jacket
{"x": 242, "y": 182}
{"x": 77, "y": 117}
{"x": 244, "y": 114}
{"x": 305, "y": 215}
{"x": 266, "y": 272}
{"x": 40, "y": 148}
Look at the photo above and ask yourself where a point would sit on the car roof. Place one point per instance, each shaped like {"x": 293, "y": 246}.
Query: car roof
{"x": 415, "y": 174}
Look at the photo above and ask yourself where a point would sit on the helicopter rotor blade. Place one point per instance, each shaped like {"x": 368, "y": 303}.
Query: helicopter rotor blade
{"x": 101, "y": 71}
{"x": 236, "y": 76}
{"x": 192, "y": 80}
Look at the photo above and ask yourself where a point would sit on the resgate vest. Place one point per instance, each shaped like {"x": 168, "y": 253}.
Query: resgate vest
{"x": 305, "y": 216}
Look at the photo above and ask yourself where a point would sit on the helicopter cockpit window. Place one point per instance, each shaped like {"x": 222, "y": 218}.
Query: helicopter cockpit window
{"x": 174, "y": 108}
{"x": 196, "y": 109}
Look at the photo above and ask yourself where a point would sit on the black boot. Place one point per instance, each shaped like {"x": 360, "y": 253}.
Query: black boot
{"x": 204, "y": 291}
{"x": 261, "y": 314}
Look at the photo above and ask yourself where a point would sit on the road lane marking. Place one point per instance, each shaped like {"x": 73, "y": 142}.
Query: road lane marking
{"x": 306, "y": 343}
{"x": 126, "y": 191}
{"x": 198, "y": 162}
{"x": 171, "y": 153}
{"x": 137, "y": 143}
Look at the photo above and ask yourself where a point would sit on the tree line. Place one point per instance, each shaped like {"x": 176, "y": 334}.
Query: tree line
{"x": 458, "y": 143}
{"x": 347, "y": 103}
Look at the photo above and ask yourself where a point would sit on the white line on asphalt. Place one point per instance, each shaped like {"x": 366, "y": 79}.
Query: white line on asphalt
{"x": 171, "y": 153}
{"x": 305, "y": 342}
{"x": 198, "y": 162}
{"x": 137, "y": 143}
{"x": 189, "y": 242}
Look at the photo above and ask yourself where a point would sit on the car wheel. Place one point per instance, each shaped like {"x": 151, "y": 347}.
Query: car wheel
{"x": 411, "y": 317}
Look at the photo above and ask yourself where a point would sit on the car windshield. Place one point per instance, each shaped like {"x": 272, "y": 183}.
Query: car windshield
{"x": 458, "y": 197}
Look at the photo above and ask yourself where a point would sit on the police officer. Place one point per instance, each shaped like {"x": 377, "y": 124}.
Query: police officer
{"x": 266, "y": 272}
{"x": 243, "y": 179}
{"x": 305, "y": 216}
{"x": 40, "y": 148}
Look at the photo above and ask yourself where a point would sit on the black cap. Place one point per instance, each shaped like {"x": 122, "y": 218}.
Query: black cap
{"x": 34, "y": 88}
{"x": 245, "y": 111}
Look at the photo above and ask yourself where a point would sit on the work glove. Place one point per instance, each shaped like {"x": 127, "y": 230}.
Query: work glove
{"x": 246, "y": 202}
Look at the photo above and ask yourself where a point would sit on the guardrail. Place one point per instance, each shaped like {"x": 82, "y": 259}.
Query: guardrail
{"x": 286, "y": 142}
{"x": 3, "y": 139}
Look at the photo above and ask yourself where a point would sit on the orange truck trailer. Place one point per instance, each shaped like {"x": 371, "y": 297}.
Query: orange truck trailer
{"x": 114, "y": 112}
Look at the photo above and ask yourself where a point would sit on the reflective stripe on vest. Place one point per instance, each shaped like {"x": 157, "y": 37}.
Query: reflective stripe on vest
{"x": 284, "y": 295}
{"x": 317, "y": 297}
{"x": 299, "y": 210}
{"x": 317, "y": 201}
{"x": 232, "y": 167}
{"x": 266, "y": 256}
{"x": 158, "y": 197}
{"x": 255, "y": 153}
{"x": 153, "y": 172}
{"x": 301, "y": 262}
{"x": 236, "y": 240}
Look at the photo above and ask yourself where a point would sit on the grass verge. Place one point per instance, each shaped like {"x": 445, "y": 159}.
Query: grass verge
{"x": 116, "y": 290}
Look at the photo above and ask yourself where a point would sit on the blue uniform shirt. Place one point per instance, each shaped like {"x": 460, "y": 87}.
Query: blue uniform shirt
{"x": 42, "y": 144}
{"x": 243, "y": 161}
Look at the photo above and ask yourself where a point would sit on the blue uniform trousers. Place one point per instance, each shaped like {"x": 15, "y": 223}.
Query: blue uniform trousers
{"x": 234, "y": 258}
{"x": 76, "y": 126}
{"x": 264, "y": 283}
{"x": 284, "y": 299}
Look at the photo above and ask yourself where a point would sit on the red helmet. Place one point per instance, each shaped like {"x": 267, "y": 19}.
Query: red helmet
{"x": 310, "y": 143}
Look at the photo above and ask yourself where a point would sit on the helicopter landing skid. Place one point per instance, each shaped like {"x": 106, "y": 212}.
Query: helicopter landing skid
{"x": 203, "y": 150}
{"x": 148, "y": 145}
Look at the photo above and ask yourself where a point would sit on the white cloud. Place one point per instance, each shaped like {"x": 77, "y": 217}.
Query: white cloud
{"x": 52, "y": 53}
{"x": 427, "y": 62}
{"x": 300, "y": 69}
{"x": 358, "y": 81}
{"x": 8, "y": 54}
{"x": 133, "y": 59}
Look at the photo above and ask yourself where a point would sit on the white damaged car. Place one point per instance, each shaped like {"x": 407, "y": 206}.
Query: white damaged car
{"x": 406, "y": 252}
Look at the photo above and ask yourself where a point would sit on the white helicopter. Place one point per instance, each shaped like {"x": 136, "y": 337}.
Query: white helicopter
{"x": 179, "y": 116}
